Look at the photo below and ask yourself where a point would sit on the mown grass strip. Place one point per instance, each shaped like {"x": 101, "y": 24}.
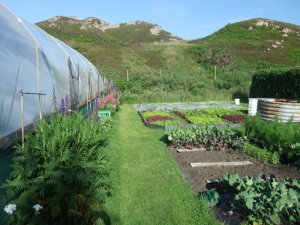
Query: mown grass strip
{"x": 149, "y": 188}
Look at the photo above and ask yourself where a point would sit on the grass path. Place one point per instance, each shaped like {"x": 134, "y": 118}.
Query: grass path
{"x": 149, "y": 188}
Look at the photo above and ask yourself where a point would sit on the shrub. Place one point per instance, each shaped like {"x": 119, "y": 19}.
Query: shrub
{"x": 215, "y": 56}
{"x": 276, "y": 84}
{"x": 275, "y": 136}
{"x": 62, "y": 168}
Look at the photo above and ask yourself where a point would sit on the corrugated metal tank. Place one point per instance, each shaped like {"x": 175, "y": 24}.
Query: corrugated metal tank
{"x": 284, "y": 111}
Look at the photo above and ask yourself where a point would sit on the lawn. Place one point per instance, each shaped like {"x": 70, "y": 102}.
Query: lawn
{"x": 149, "y": 187}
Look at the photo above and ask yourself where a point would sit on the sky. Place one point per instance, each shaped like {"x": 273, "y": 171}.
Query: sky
{"x": 188, "y": 19}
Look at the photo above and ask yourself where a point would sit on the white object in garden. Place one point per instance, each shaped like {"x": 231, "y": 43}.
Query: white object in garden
{"x": 37, "y": 207}
{"x": 252, "y": 106}
{"x": 237, "y": 101}
{"x": 190, "y": 150}
{"x": 10, "y": 208}
{"x": 205, "y": 164}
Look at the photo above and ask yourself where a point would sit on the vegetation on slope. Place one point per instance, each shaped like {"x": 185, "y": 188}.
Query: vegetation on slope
{"x": 185, "y": 71}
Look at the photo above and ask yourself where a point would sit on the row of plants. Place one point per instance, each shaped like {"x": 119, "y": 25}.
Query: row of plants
{"x": 269, "y": 141}
{"x": 262, "y": 154}
{"x": 208, "y": 137}
{"x": 214, "y": 116}
{"x": 61, "y": 176}
{"x": 277, "y": 137}
{"x": 162, "y": 118}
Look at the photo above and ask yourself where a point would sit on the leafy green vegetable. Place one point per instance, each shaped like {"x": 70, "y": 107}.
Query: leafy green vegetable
{"x": 168, "y": 123}
{"x": 156, "y": 113}
{"x": 209, "y": 115}
{"x": 262, "y": 154}
{"x": 209, "y": 137}
{"x": 266, "y": 200}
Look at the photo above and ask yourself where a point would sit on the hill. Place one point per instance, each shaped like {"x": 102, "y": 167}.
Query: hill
{"x": 93, "y": 29}
{"x": 258, "y": 39}
{"x": 163, "y": 67}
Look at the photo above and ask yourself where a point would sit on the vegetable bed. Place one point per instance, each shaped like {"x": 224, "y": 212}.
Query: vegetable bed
{"x": 214, "y": 116}
{"x": 162, "y": 118}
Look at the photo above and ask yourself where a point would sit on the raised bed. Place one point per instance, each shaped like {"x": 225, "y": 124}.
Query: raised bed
{"x": 227, "y": 116}
{"x": 155, "y": 126}
{"x": 284, "y": 111}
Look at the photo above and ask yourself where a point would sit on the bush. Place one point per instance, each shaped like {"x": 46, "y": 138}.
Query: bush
{"x": 62, "y": 168}
{"x": 283, "y": 138}
{"x": 215, "y": 56}
{"x": 276, "y": 84}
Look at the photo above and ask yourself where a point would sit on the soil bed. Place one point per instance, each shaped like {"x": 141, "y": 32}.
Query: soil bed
{"x": 197, "y": 177}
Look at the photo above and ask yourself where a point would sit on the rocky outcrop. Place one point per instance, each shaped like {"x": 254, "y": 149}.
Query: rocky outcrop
{"x": 155, "y": 30}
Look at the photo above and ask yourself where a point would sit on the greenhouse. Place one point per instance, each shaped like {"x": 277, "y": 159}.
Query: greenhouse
{"x": 38, "y": 73}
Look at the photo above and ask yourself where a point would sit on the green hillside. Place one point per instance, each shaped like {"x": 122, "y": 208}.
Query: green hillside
{"x": 162, "y": 67}
{"x": 94, "y": 30}
{"x": 259, "y": 39}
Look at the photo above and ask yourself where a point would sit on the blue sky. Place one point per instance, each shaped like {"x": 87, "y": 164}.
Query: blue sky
{"x": 188, "y": 19}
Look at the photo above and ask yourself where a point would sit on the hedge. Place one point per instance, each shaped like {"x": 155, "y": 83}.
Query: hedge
{"x": 276, "y": 84}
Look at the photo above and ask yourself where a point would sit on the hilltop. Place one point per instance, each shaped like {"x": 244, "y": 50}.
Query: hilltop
{"x": 258, "y": 39}
{"x": 94, "y": 29}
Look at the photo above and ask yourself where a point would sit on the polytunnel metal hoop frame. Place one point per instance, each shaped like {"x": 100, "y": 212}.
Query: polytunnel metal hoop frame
{"x": 22, "y": 93}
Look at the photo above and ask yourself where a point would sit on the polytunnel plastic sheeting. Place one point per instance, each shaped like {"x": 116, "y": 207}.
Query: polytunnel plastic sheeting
{"x": 35, "y": 62}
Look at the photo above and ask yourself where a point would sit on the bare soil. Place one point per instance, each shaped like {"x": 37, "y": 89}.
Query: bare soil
{"x": 197, "y": 177}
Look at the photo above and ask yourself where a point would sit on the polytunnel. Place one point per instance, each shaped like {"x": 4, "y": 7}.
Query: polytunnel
{"x": 44, "y": 69}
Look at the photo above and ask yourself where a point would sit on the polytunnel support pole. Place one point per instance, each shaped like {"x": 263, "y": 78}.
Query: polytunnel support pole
{"x": 22, "y": 116}
{"x": 22, "y": 93}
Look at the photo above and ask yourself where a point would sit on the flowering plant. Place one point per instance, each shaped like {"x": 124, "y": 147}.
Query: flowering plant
{"x": 10, "y": 208}
{"x": 107, "y": 102}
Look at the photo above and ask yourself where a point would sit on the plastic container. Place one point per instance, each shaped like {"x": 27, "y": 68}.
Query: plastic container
{"x": 237, "y": 101}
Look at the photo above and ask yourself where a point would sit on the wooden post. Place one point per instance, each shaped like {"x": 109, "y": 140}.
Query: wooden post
{"x": 159, "y": 71}
{"x": 215, "y": 72}
{"x": 127, "y": 75}
{"x": 22, "y": 116}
